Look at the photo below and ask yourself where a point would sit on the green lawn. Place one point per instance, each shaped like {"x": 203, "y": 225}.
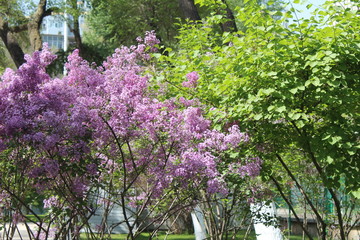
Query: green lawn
{"x": 33, "y": 218}
{"x": 144, "y": 236}
{"x": 162, "y": 236}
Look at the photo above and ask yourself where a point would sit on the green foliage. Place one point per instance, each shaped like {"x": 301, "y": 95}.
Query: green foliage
{"x": 118, "y": 23}
{"x": 292, "y": 86}
{"x": 12, "y": 11}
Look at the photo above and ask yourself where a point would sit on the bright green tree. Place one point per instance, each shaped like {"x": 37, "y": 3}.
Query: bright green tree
{"x": 294, "y": 86}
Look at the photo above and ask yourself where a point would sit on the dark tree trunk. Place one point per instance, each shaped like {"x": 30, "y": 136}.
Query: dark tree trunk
{"x": 189, "y": 10}
{"x": 230, "y": 25}
{"x": 77, "y": 36}
{"x": 15, "y": 50}
{"x": 75, "y": 29}
{"x": 34, "y": 36}
{"x": 11, "y": 44}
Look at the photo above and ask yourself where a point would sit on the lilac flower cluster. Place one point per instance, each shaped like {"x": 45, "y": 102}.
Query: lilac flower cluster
{"x": 192, "y": 78}
{"x": 4, "y": 199}
{"x": 51, "y": 202}
{"x": 250, "y": 168}
{"x": 100, "y": 122}
{"x": 17, "y": 217}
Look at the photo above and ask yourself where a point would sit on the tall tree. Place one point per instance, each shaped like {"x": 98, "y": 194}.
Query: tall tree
{"x": 10, "y": 17}
{"x": 74, "y": 10}
{"x": 293, "y": 89}
{"x": 116, "y": 22}
{"x": 13, "y": 21}
{"x": 189, "y": 10}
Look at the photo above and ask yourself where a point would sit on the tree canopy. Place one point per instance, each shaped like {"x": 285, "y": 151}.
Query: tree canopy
{"x": 292, "y": 85}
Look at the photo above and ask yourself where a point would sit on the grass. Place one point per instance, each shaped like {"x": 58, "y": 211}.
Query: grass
{"x": 162, "y": 235}
{"x": 33, "y": 218}
{"x": 145, "y": 236}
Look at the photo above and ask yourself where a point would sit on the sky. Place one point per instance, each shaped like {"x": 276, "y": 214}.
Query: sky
{"x": 306, "y": 13}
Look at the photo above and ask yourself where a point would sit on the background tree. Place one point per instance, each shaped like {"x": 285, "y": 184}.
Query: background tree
{"x": 13, "y": 20}
{"x": 116, "y": 23}
{"x": 112, "y": 23}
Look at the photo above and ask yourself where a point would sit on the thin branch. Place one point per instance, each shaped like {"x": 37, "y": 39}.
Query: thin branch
{"x": 323, "y": 224}
{"x": 290, "y": 206}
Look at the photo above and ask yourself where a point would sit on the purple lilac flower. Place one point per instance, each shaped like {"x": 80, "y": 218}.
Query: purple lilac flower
{"x": 17, "y": 217}
{"x": 250, "y": 168}
{"x": 5, "y": 199}
{"x": 192, "y": 78}
{"x": 51, "y": 202}
{"x": 151, "y": 40}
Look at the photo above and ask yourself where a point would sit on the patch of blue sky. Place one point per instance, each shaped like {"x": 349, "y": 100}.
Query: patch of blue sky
{"x": 305, "y": 8}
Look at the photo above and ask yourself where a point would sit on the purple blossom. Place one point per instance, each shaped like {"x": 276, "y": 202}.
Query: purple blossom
{"x": 96, "y": 121}
{"x": 137, "y": 201}
{"x": 250, "y": 168}
{"x": 51, "y": 167}
{"x": 79, "y": 186}
{"x": 4, "y": 199}
{"x": 92, "y": 169}
{"x": 151, "y": 40}
{"x": 194, "y": 121}
{"x": 216, "y": 186}
{"x": 46, "y": 235}
{"x": 139, "y": 39}
{"x": 51, "y": 202}
{"x": 235, "y": 137}
{"x": 192, "y": 78}
{"x": 17, "y": 217}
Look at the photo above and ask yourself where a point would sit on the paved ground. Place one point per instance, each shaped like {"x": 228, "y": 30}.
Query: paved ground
{"x": 22, "y": 233}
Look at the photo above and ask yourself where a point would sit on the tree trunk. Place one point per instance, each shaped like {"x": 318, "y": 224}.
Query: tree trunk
{"x": 11, "y": 45}
{"x": 76, "y": 31}
{"x": 189, "y": 10}
{"x": 34, "y": 36}
{"x": 230, "y": 25}
{"x": 35, "y": 23}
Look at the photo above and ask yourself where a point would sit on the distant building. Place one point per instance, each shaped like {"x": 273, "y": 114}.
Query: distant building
{"x": 52, "y": 32}
{"x": 53, "y": 29}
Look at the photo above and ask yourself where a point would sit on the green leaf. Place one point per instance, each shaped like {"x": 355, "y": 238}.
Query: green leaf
{"x": 268, "y": 91}
{"x": 356, "y": 193}
{"x": 294, "y": 116}
{"x": 326, "y": 137}
{"x": 272, "y": 74}
{"x": 281, "y": 109}
{"x": 258, "y": 116}
{"x": 270, "y": 108}
{"x": 329, "y": 159}
{"x": 300, "y": 124}
{"x": 316, "y": 82}
{"x": 335, "y": 140}
{"x": 351, "y": 152}
{"x": 301, "y": 88}
{"x": 294, "y": 90}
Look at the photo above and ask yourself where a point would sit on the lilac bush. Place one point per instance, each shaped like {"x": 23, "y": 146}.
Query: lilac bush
{"x": 101, "y": 127}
